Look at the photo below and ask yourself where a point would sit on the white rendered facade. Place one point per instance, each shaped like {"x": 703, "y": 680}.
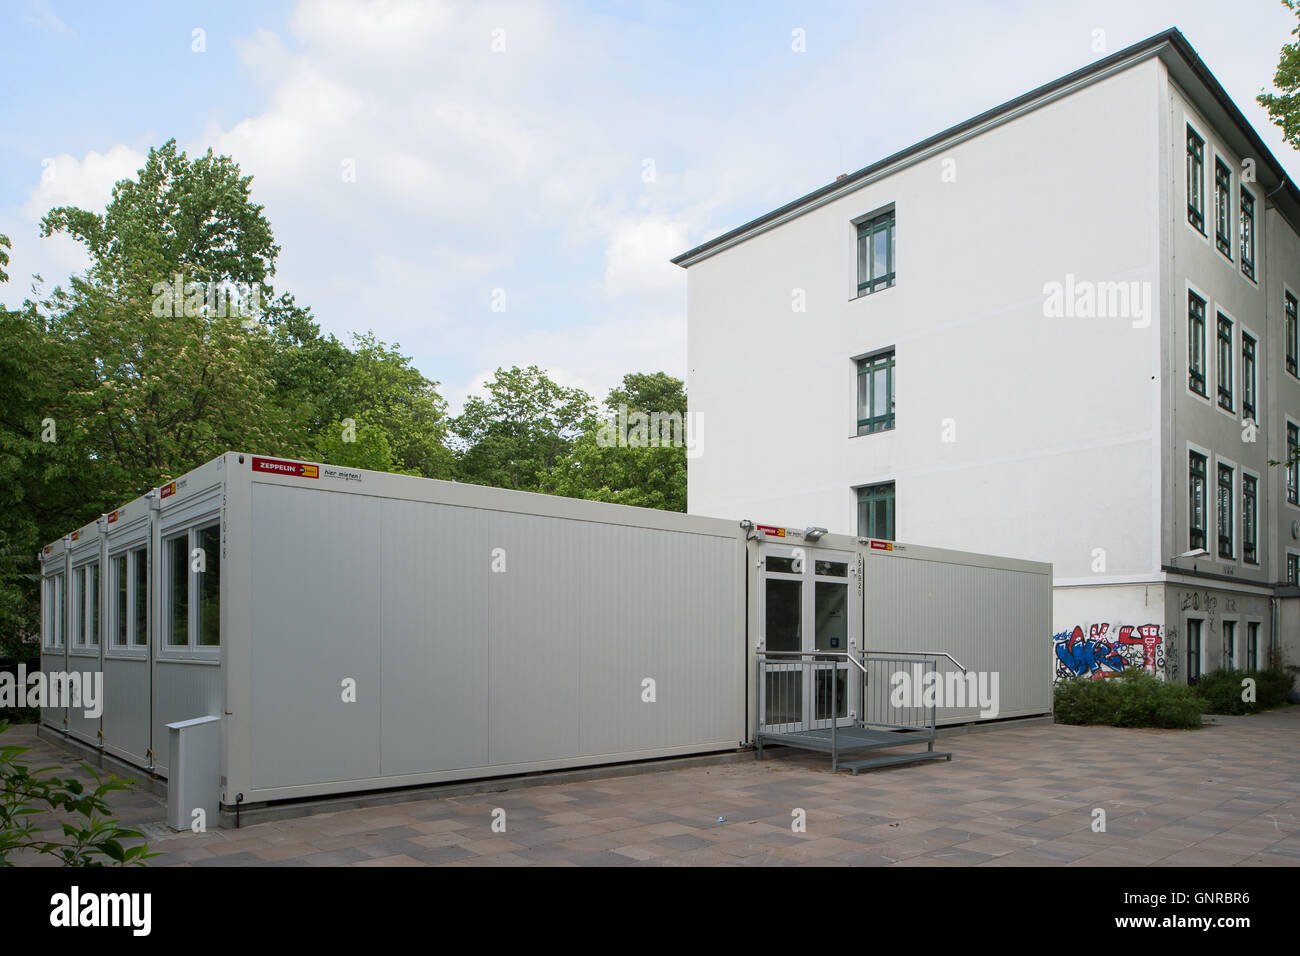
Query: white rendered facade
{"x": 1038, "y": 326}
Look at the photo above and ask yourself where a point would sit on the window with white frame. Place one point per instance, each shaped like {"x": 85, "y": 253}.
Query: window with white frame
{"x": 1196, "y": 343}
{"x": 1249, "y": 519}
{"x": 54, "y": 605}
{"x": 1247, "y": 234}
{"x": 1196, "y": 466}
{"x": 1223, "y": 207}
{"x": 85, "y": 605}
{"x": 129, "y": 591}
{"x": 1195, "y": 180}
{"x": 1248, "y": 377}
{"x": 1226, "y": 511}
{"x": 192, "y": 588}
{"x": 1225, "y": 362}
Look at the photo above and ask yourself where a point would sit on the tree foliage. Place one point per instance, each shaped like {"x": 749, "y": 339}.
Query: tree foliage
{"x": 1284, "y": 105}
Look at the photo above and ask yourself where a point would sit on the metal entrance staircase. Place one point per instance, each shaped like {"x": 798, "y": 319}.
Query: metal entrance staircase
{"x": 839, "y": 702}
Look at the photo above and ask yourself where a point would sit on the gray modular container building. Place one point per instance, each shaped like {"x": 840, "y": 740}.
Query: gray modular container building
{"x": 357, "y": 630}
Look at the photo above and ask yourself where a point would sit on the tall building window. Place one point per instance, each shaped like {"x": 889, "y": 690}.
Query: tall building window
{"x": 1193, "y": 650}
{"x": 1291, "y": 341}
{"x": 1195, "y": 176}
{"x": 1252, "y": 646}
{"x": 876, "y": 238}
{"x": 1248, "y": 377}
{"x": 1249, "y": 519}
{"x": 1225, "y": 361}
{"x": 876, "y": 393}
{"x": 1292, "y": 466}
{"x": 1226, "y": 512}
{"x": 1223, "y": 207}
{"x": 1196, "y": 343}
{"x": 876, "y": 511}
{"x": 1196, "y": 498}
{"x": 1229, "y": 645}
{"x": 1292, "y": 568}
{"x": 1247, "y": 234}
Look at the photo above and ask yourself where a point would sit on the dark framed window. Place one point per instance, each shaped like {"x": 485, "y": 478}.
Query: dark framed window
{"x": 1293, "y": 569}
{"x": 1196, "y": 343}
{"x": 1229, "y": 645}
{"x": 1225, "y": 361}
{"x": 1249, "y": 519}
{"x": 1195, "y": 180}
{"x": 1196, "y": 499}
{"x": 1193, "y": 651}
{"x": 1226, "y": 511}
{"x": 876, "y": 511}
{"x": 1247, "y": 234}
{"x": 1292, "y": 346}
{"x": 1223, "y": 208}
{"x": 876, "y": 239}
{"x": 1252, "y": 646}
{"x": 1292, "y": 466}
{"x": 1248, "y": 377}
{"x": 876, "y": 393}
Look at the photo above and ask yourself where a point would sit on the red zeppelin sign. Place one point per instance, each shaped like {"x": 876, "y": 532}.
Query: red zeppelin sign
{"x": 296, "y": 469}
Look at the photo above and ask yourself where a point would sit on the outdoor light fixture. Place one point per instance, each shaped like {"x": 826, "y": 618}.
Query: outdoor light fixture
{"x": 813, "y": 534}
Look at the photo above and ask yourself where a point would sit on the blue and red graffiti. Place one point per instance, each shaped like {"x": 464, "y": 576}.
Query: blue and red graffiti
{"x": 1097, "y": 655}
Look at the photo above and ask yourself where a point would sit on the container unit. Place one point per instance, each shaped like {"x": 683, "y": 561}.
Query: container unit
{"x": 356, "y": 630}
{"x": 817, "y": 597}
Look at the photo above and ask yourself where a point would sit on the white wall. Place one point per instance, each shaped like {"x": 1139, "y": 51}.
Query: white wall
{"x": 1054, "y": 416}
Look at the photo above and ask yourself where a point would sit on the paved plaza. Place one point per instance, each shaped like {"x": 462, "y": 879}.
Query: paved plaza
{"x": 1016, "y": 795}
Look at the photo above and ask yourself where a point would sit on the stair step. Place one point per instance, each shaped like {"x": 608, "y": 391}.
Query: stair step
{"x": 893, "y": 760}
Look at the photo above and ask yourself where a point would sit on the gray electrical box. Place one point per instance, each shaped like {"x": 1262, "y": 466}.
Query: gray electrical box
{"x": 194, "y": 751}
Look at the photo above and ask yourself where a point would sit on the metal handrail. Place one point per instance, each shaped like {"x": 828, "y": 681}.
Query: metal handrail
{"x": 853, "y": 655}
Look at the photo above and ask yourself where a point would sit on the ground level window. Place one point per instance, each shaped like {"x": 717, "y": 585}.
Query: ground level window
{"x": 1229, "y": 645}
{"x": 1193, "y": 651}
{"x": 876, "y": 511}
{"x": 1293, "y": 569}
{"x": 120, "y": 570}
{"x": 1196, "y": 499}
{"x": 54, "y": 604}
{"x": 1252, "y": 646}
{"x": 140, "y": 597}
{"x": 178, "y": 590}
{"x": 192, "y": 576}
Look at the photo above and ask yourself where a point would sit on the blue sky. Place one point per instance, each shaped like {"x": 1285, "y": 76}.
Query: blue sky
{"x": 525, "y": 169}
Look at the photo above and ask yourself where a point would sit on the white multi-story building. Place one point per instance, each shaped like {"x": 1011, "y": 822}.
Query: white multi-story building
{"x": 1064, "y": 330}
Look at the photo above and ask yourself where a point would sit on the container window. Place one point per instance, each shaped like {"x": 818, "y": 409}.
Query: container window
{"x": 140, "y": 597}
{"x": 178, "y": 590}
{"x": 209, "y": 586}
{"x": 121, "y": 603}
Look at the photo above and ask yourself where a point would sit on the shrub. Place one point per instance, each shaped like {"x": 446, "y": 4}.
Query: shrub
{"x": 91, "y": 838}
{"x": 1134, "y": 699}
{"x": 1220, "y": 691}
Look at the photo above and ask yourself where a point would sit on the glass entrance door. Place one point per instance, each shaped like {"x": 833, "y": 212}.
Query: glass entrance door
{"x": 807, "y": 597}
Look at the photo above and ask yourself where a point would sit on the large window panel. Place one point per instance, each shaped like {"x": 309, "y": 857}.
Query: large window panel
{"x": 876, "y": 511}
{"x": 876, "y": 394}
{"x": 177, "y": 567}
{"x": 1195, "y": 180}
{"x": 876, "y": 252}
{"x": 209, "y": 587}
{"x": 1196, "y": 498}
{"x": 1196, "y": 343}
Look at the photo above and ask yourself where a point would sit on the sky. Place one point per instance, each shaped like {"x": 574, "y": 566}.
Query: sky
{"x": 495, "y": 184}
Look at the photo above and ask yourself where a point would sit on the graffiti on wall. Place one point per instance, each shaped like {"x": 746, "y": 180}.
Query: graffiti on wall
{"x": 1103, "y": 651}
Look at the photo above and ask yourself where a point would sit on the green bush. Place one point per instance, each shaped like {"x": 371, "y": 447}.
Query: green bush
{"x": 1220, "y": 691}
{"x": 1135, "y": 699}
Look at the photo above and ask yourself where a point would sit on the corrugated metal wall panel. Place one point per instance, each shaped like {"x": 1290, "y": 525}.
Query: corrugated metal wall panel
{"x": 126, "y": 708}
{"x": 462, "y": 668}
{"x": 990, "y": 619}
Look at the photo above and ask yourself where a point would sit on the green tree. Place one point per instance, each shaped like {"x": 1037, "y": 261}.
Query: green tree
{"x": 1284, "y": 106}
{"x": 635, "y": 454}
{"x": 527, "y": 422}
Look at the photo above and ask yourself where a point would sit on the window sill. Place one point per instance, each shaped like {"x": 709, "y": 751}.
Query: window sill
{"x": 863, "y": 295}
